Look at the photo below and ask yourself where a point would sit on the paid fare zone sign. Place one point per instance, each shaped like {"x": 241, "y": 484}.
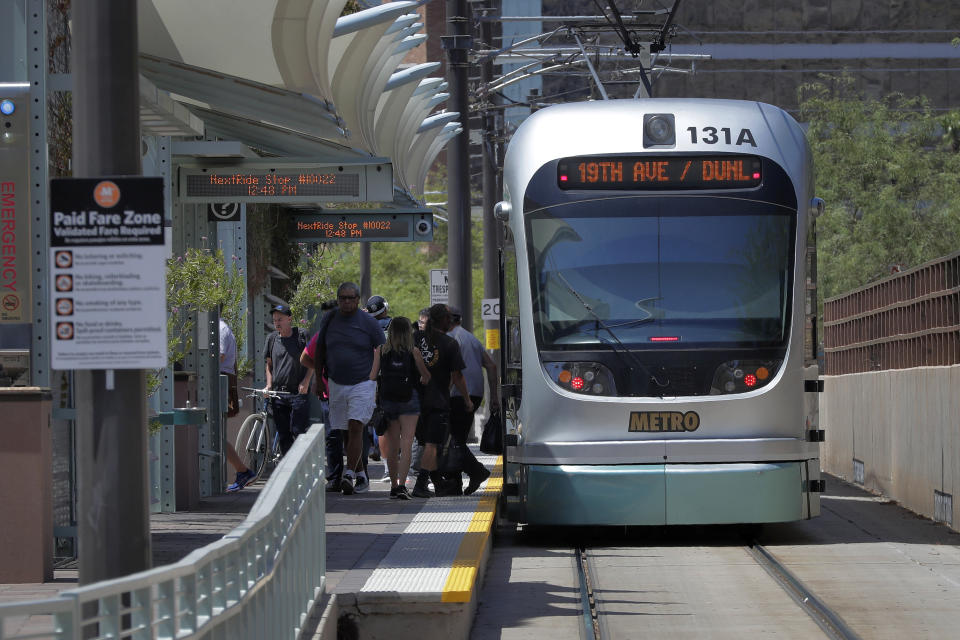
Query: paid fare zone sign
{"x": 107, "y": 274}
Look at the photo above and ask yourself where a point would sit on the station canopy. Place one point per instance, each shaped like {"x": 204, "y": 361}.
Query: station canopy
{"x": 293, "y": 78}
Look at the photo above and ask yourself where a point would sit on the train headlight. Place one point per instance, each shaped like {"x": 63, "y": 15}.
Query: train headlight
{"x": 740, "y": 376}
{"x": 588, "y": 378}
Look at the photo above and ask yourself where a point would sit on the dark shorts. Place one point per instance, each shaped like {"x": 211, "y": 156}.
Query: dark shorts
{"x": 433, "y": 426}
{"x": 396, "y": 409}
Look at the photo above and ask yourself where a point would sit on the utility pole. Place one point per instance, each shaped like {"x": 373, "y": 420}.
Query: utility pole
{"x": 113, "y": 526}
{"x": 365, "y": 271}
{"x": 491, "y": 277}
{"x": 457, "y": 43}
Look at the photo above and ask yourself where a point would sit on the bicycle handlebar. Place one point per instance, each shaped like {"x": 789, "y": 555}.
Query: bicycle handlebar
{"x": 266, "y": 393}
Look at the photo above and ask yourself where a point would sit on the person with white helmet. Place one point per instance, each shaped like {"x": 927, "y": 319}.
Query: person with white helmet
{"x": 377, "y": 307}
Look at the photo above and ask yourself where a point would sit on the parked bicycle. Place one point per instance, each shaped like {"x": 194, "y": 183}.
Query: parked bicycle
{"x": 257, "y": 443}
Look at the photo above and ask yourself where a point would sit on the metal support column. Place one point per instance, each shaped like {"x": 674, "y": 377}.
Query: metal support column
{"x": 491, "y": 278}
{"x": 114, "y": 528}
{"x": 158, "y": 161}
{"x": 204, "y": 361}
{"x": 39, "y": 227}
{"x": 457, "y": 43}
{"x": 366, "y": 286}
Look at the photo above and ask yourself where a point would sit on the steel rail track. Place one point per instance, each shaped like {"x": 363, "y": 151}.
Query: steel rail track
{"x": 828, "y": 620}
{"x": 590, "y": 620}
{"x": 825, "y": 618}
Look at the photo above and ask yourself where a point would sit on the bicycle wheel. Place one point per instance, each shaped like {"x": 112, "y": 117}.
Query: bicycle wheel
{"x": 251, "y": 443}
{"x": 261, "y": 455}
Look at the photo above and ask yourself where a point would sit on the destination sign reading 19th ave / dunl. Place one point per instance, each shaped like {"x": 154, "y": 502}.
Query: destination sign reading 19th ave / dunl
{"x": 255, "y": 181}
{"x": 644, "y": 172}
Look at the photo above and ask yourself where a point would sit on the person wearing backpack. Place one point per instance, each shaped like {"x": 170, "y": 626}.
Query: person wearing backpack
{"x": 345, "y": 347}
{"x": 377, "y": 307}
{"x": 441, "y": 354}
{"x": 398, "y": 366}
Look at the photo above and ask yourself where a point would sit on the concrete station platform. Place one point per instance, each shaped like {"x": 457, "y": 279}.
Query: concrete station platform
{"x": 407, "y": 568}
{"x": 395, "y": 568}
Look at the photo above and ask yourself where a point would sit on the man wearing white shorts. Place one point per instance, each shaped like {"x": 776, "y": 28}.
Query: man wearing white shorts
{"x": 344, "y": 347}
{"x": 352, "y": 402}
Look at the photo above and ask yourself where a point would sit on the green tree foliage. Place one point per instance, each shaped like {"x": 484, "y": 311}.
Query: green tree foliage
{"x": 268, "y": 245}
{"x": 400, "y": 271}
{"x": 951, "y": 130}
{"x": 315, "y": 281}
{"x": 201, "y": 280}
{"x": 889, "y": 179}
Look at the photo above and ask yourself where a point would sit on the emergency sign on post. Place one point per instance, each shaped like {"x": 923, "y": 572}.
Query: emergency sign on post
{"x": 15, "y": 302}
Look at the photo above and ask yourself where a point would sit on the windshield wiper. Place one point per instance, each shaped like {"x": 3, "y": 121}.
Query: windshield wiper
{"x": 613, "y": 335}
{"x": 633, "y": 323}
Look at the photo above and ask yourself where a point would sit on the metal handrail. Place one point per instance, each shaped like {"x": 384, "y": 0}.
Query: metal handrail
{"x": 261, "y": 580}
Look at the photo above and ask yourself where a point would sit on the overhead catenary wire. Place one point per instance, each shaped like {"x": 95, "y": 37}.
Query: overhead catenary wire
{"x": 636, "y": 31}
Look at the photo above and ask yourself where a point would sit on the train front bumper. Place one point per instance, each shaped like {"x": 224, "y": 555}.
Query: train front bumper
{"x": 672, "y": 494}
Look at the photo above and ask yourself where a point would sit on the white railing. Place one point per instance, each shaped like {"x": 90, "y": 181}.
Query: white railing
{"x": 259, "y": 581}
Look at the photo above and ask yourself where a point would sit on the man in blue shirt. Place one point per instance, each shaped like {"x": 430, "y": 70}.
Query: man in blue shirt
{"x": 344, "y": 346}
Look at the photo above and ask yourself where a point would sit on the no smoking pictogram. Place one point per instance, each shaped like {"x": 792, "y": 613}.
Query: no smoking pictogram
{"x": 106, "y": 194}
{"x": 11, "y": 302}
{"x": 64, "y": 307}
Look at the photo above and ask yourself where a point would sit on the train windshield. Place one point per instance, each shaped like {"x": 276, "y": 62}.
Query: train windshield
{"x": 655, "y": 272}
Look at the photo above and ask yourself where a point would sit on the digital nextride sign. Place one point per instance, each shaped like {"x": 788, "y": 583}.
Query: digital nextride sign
{"x": 301, "y": 183}
{"x": 643, "y": 173}
{"x": 15, "y": 303}
{"x": 399, "y": 226}
{"x": 266, "y": 180}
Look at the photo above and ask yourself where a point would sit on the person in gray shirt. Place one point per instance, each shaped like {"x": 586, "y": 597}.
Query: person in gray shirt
{"x": 461, "y": 419}
{"x": 344, "y": 347}
{"x": 284, "y": 374}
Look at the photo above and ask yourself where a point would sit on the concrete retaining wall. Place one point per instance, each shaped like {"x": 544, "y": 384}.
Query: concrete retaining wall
{"x": 904, "y": 425}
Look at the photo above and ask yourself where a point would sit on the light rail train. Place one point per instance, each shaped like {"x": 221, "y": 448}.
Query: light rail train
{"x": 656, "y": 314}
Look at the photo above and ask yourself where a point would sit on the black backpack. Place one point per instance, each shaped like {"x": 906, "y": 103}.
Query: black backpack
{"x": 396, "y": 376}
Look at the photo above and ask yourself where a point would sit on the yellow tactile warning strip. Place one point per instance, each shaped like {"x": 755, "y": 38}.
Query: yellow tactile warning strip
{"x": 463, "y": 572}
{"x": 437, "y": 557}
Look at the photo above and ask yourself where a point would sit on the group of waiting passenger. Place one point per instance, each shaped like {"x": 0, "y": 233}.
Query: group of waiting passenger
{"x": 427, "y": 381}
